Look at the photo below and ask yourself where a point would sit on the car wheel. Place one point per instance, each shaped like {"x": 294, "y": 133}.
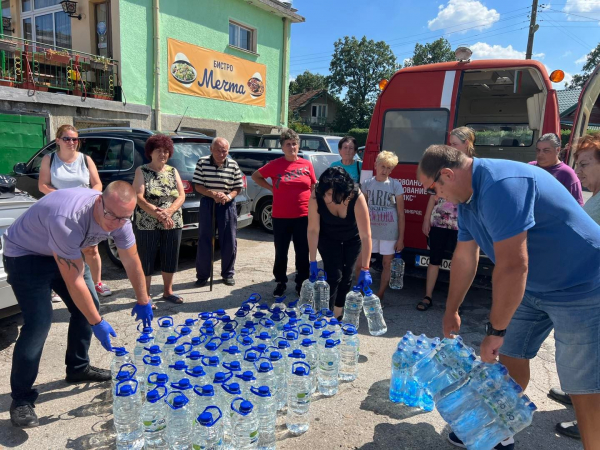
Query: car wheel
{"x": 265, "y": 218}
{"x": 111, "y": 250}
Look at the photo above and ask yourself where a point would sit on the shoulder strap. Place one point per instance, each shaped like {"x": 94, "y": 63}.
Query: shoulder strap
{"x": 52, "y": 158}
{"x": 85, "y": 161}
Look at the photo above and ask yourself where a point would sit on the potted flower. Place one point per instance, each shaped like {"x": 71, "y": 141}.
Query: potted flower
{"x": 100, "y": 94}
{"x": 100, "y": 63}
{"x": 58, "y": 56}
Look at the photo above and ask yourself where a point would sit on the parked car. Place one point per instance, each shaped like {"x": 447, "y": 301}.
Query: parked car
{"x": 251, "y": 159}
{"x": 308, "y": 142}
{"x": 117, "y": 152}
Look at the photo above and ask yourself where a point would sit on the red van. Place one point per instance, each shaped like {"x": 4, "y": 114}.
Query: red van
{"x": 509, "y": 104}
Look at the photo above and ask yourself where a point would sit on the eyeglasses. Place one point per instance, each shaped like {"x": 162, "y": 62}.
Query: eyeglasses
{"x": 110, "y": 216}
{"x": 70, "y": 139}
{"x": 431, "y": 189}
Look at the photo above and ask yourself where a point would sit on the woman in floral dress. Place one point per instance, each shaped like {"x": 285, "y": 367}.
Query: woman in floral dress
{"x": 158, "y": 219}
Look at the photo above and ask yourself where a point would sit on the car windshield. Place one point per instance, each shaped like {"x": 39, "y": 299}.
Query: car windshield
{"x": 187, "y": 154}
{"x": 322, "y": 162}
{"x": 271, "y": 142}
{"x": 333, "y": 144}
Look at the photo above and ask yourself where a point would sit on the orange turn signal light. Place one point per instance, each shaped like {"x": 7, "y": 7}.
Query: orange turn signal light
{"x": 382, "y": 84}
{"x": 557, "y": 76}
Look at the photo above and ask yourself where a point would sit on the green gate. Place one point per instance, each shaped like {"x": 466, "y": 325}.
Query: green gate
{"x": 20, "y": 138}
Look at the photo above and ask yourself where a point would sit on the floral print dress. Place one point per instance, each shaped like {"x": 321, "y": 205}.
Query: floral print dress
{"x": 160, "y": 190}
{"x": 444, "y": 215}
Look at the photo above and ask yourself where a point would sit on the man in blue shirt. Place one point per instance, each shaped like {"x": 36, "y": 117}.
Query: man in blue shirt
{"x": 546, "y": 251}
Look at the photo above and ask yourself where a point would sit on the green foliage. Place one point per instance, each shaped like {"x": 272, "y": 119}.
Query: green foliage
{"x": 308, "y": 81}
{"x": 300, "y": 127}
{"x": 360, "y": 134}
{"x": 579, "y": 80}
{"x": 434, "y": 52}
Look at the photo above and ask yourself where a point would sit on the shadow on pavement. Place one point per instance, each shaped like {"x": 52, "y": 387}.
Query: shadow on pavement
{"x": 405, "y": 436}
{"x": 378, "y": 402}
{"x": 102, "y": 437}
{"x": 9, "y": 330}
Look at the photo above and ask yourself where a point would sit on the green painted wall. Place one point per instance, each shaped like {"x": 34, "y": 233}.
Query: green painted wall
{"x": 204, "y": 23}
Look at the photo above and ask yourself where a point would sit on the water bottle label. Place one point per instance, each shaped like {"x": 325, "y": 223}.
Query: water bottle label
{"x": 371, "y": 309}
{"x": 152, "y": 426}
{"x": 303, "y": 397}
{"x": 254, "y": 436}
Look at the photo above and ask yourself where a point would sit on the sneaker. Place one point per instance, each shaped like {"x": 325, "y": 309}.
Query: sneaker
{"x": 229, "y": 281}
{"x": 91, "y": 374}
{"x": 454, "y": 440}
{"x": 560, "y": 396}
{"x": 56, "y": 298}
{"x": 200, "y": 283}
{"x": 103, "y": 290}
{"x": 23, "y": 416}
{"x": 569, "y": 429}
{"x": 279, "y": 290}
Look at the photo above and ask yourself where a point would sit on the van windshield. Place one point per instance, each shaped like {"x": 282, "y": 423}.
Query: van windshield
{"x": 502, "y": 134}
{"x": 408, "y": 133}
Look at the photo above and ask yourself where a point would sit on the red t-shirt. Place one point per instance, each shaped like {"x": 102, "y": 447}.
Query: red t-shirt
{"x": 291, "y": 186}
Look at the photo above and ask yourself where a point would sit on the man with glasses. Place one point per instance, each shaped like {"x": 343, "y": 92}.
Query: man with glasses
{"x": 546, "y": 251}
{"x": 42, "y": 252}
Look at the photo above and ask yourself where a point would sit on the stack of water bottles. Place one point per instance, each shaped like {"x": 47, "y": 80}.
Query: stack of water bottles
{"x": 218, "y": 381}
{"x": 480, "y": 401}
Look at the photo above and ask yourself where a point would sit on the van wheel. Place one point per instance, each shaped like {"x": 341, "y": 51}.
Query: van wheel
{"x": 264, "y": 213}
{"x": 111, "y": 250}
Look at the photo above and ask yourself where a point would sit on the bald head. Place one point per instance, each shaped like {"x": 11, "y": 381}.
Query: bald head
{"x": 120, "y": 191}
{"x": 219, "y": 149}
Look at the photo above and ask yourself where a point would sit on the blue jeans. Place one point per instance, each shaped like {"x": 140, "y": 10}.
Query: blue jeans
{"x": 32, "y": 279}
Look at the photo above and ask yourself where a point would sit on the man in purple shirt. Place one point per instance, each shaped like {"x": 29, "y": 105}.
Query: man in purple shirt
{"x": 42, "y": 252}
{"x": 547, "y": 150}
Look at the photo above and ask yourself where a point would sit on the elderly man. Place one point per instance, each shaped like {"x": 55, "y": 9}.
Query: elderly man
{"x": 219, "y": 180}
{"x": 42, "y": 252}
{"x": 546, "y": 251}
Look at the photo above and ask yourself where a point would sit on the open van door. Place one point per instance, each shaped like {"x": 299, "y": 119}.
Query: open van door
{"x": 588, "y": 110}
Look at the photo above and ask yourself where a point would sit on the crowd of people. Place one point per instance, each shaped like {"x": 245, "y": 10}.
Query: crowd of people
{"x": 518, "y": 214}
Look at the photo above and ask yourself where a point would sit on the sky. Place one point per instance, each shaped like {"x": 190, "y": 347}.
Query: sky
{"x": 569, "y": 29}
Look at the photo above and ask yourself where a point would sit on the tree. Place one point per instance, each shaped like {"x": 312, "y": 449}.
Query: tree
{"x": 434, "y": 52}
{"x": 357, "y": 67}
{"x": 308, "y": 81}
{"x": 579, "y": 80}
{"x": 299, "y": 127}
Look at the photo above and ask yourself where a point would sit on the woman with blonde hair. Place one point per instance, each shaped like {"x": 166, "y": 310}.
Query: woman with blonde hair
{"x": 440, "y": 223}
{"x": 69, "y": 168}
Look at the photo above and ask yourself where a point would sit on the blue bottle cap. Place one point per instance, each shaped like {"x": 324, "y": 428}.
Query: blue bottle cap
{"x": 155, "y": 360}
{"x": 264, "y": 367}
{"x": 195, "y": 355}
{"x": 123, "y": 375}
{"x": 297, "y": 353}
{"x": 179, "y": 365}
{"x": 205, "y": 418}
{"x": 211, "y": 346}
{"x": 301, "y": 371}
{"x": 219, "y": 377}
{"x": 184, "y": 383}
{"x": 251, "y": 356}
{"x": 225, "y": 336}
{"x": 185, "y": 331}
{"x": 220, "y": 312}
{"x": 247, "y": 375}
{"x": 171, "y": 339}
{"x": 120, "y": 351}
{"x": 334, "y": 322}
{"x": 144, "y": 338}
{"x": 154, "y": 349}
{"x": 329, "y": 343}
{"x": 207, "y": 389}
{"x": 213, "y": 361}
{"x": 306, "y": 342}
{"x": 264, "y": 335}
{"x": 275, "y": 356}
{"x": 162, "y": 378}
{"x": 244, "y": 331}
{"x": 147, "y": 330}
{"x": 152, "y": 395}
{"x": 247, "y": 340}
{"x": 179, "y": 401}
{"x": 290, "y": 336}
{"x": 235, "y": 365}
{"x": 246, "y": 407}
{"x": 263, "y": 391}
{"x": 198, "y": 370}
{"x": 283, "y": 344}
{"x": 126, "y": 390}
{"x": 179, "y": 350}
{"x": 235, "y": 388}
{"x": 189, "y": 322}
{"x": 196, "y": 340}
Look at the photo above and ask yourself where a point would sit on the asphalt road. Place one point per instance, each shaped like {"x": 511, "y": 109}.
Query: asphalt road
{"x": 360, "y": 416}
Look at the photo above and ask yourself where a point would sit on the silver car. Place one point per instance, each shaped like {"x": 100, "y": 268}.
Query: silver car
{"x": 251, "y": 159}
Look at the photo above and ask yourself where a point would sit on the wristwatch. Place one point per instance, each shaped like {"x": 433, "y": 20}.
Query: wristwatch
{"x": 491, "y": 331}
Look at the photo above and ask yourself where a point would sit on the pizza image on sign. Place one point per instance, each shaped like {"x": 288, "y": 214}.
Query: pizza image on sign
{"x": 256, "y": 85}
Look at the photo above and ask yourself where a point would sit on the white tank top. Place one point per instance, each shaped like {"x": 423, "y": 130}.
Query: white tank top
{"x": 72, "y": 175}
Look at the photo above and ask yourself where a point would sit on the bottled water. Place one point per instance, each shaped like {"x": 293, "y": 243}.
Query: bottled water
{"x": 194, "y": 359}
{"x": 154, "y": 419}
{"x": 325, "y": 334}
{"x": 180, "y": 352}
{"x": 267, "y": 417}
{"x": 244, "y": 425}
{"x": 230, "y": 393}
{"x": 298, "y": 398}
{"x": 349, "y": 351}
{"x": 260, "y": 349}
{"x": 212, "y": 347}
{"x": 307, "y": 293}
{"x": 153, "y": 350}
{"x": 169, "y": 350}
{"x": 246, "y": 380}
{"x": 245, "y": 343}
{"x": 278, "y": 319}
{"x": 192, "y": 324}
{"x": 179, "y": 420}
{"x": 336, "y": 329}
{"x": 126, "y": 372}
{"x": 234, "y": 367}
{"x": 165, "y": 329}
{"x": 183, "y": 385}
{"x": 208, "y": 430}
{"x": 265, "y": 375}
{"x": 197, "y": 375}
{"x": 305, "y": 332}
{"x": 151, "y": 364}
{"x": 263, "y": 338}
{"x": 249, "y": 359}
{"x": 156, "y": 380}
{"x": 280, "y": 390}
{"x": 226, "y": 339}
{"x": 292, "y": 338}
{"x": 145, "y": 330}
{"x": 127, "y": 406}
{"x": 211, "y": 365}
{"x": 329, "y": 366}
{"x": 177, "y": 371}
{"x": 293, "y": 309}
{"x": 374, "y": 313}
{"x": 397, "y": 272}
{"x": 268, "y": 326}
{"x": 139, "y": 350}
{"x": 121, "y": 357}
{"x": 312, "y": 359}
{"x": 232, "y": 353}
{"x": 353, "y": 307}
{"x": 205, "y": 397}
{"x": 292, "y": 358}
{"x": 321, "y": 292}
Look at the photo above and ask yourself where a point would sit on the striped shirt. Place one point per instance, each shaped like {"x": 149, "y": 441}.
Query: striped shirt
{"x": 220, "y": 179}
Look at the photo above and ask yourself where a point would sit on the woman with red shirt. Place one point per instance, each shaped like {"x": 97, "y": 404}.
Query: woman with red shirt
{"x": 292, "y": 179}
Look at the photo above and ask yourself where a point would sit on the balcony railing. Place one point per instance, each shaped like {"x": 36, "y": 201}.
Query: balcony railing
{"x": 35, "y": 66}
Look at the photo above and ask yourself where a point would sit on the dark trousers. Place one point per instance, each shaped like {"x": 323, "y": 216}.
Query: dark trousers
{"x": 32, "y": 279}
{"x": 167, "y": 242}
{"x": 339, "y": 259}
{"x": 284, "y": 232}
{"x": 226, "y": 223}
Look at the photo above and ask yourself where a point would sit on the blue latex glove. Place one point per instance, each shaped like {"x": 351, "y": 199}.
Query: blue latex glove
{"x": 364, "y": 279}
{"x": 143, "y": 313}
{"x": 103, "y": 331}
{"x": 314, "y": 271}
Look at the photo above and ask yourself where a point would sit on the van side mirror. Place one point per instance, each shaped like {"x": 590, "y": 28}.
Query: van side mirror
{"x": 20, "y": 168}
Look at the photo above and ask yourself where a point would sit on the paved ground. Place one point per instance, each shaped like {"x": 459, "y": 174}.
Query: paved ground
{"x": 359, "y": 417}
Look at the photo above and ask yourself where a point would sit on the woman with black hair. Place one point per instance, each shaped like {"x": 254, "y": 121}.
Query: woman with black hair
{"x": 338, "y": 224}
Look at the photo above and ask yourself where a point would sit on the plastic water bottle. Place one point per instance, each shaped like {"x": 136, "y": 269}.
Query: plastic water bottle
{"x": 179, "y": 420}
{"x": 168, "y": 349}
{"x": 268, "y": 326}
{"x": 250, "y": 357}
{"x": 230, "y": 392}
{"x": 280, "y": 390}
{"x": 335, "y": 326}
{"x": 292, "y": 358}
{"x": 212, "y": 347}
{"x": 265, "y": 376}
{"x": 211, "y": 365}
{"x": 197, "y": 376}
{"x": 121, "y": 357}
{"x": 219, "y": 379}
{"x": 309, "y": 348}
{"x": 193, "y": 324}
{"x": 246, "y": 380}
{"x": 374, "y": 313}
{"x": 397, "y": 272}
{"x": 180, "y": 351}
{"x": 231, "y": 353}
{"x": 244, "y": 432}
{"x": 127, "y": 406}
{"x": 194, "y": 359}
{"x": 208, "y": 430}
{"x": 139, "y": 350}
{"x": 307, "y": 293}
{"x": 204, "y": 396}
{"x": 349, "y": 352}
{"x": 264, "y": 337}
{"x": 321, "y": 292}
{"x": 235, "y": 368}
{"x": 292, "y": 338}
{"x": 329, "y": 366}
{"x": 267, "y": 417}
{"x": 155, "y": 379}
{"x": 154, "y": 419}
{"x": 184, "y": 385}
{"x": 126, "y": 372}
{"x": 398, "y": 379}
{"x": 353, "y": 307}
{"x": 298, "y": 398}
{"x": 177, "y": 371}
{"x": 165, "y": 329}
{"x": 151, "y": 364}
{"x": 322, "y": 339}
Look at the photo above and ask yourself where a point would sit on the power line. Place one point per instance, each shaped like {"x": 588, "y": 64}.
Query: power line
{"x": 569, "y": 14}
{"x": 571, "y": 35}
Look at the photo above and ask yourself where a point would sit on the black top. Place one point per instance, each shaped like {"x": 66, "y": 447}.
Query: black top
{"x": 334, "y": 227}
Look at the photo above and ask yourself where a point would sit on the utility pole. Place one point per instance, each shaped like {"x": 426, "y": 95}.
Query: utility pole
{"x": 533, "y": 27}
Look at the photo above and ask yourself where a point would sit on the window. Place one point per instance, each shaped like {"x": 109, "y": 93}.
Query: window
{"x": 106, "y": 153}
{"x": 408, "y": 133}
{"x": 271, "y": 142}
{"x": 6, "y": 13}
{"x": 502, "y": 134}
{"x": 36, "y": 163}
{"x": 249, "y": 162}
{"x": 319, "y": 110}
{"x": 186, "y": 155}
{"x": 333, "y": 144}
{"x": 242, "y": 37}
{"x": 44, "y": 21}
{"x": 313, "y": 144}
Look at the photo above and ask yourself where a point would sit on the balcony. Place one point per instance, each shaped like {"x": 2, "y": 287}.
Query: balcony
{"x": 39, "y": 67}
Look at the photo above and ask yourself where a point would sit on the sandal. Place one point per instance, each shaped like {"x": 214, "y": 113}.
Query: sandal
{"x": 422, "y": 306}
{"x": 177, "y": 299}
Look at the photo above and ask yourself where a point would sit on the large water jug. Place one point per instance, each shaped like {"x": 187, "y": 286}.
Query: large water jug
{"x": 168, "y": 350}
{"x": 309, "y": 348}
{"x": 165, "y": 329}
{"x": 211, "y": 365}
{"x": 307, "y": 293}
{"x": 127, "y": 407}
{"x": 184, "y": 386}
{"x": 139, "y": 350}
{"x": 193, "y": 324}
{"x": 244, "y": 432}
{"x": 267, "y": 417}
{"x": 397, "y": 272}
{"x": 156, "y": 379}
{"x": 280, "y": 391}
{"x": 126, "y": 372}
{"x": 194, "y": 359}
{"x": 349, "y": 352}
{"x": 246, "y": 380}
{"x": 204, "y": 396}
{"x": 231, "y": 391}
{"x": 151, "y": 364}
{"x": 148, "y": 331}
{"x": 299, "y": 386}
{"x": 179, "y": 421}
{"x": 265, "y": 376}
{"x": 177, "y": 371}
{"x": 353, "y": 307}
{"x": 329, "y": 366}
{"x": 250, "y": 357}
{"x": 374, "y": 313}
{"x": 154, "y": 419}
{"x": 292, "y": 358}
{"x": 121, "y": 357}
{"x": 208, "y": 430}
{"x": 321, "y": 295}
{"x": 197, "y": 376}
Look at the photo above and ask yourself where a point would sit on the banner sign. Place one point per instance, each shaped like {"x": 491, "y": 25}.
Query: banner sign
{"x": 207, "y": 73}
